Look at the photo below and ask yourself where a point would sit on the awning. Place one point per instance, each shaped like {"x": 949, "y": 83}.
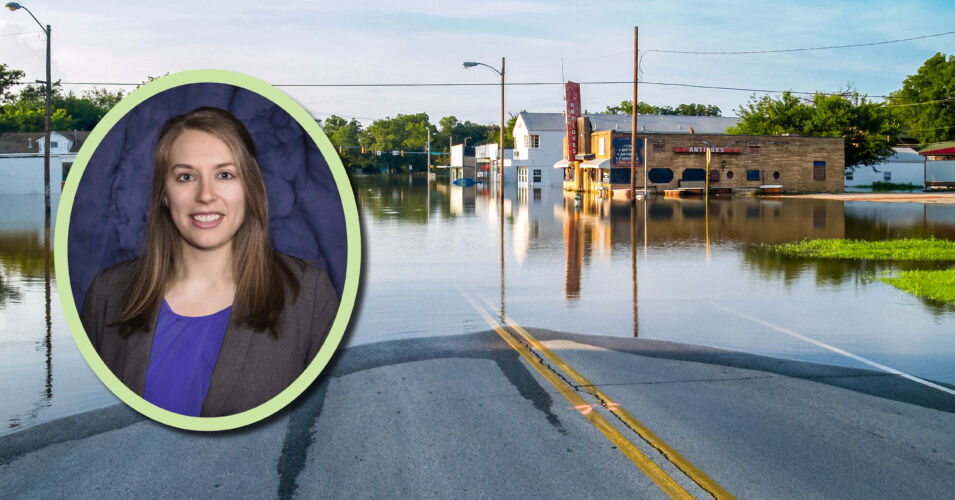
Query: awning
{"x": 596, "y": 163}
{"x": 563, "y": 164}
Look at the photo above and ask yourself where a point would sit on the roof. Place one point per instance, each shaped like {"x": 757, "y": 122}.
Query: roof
{"x": 905, "y": 155}
{"x": 667, "y": 124}
{"x": 939, "y": 148}
{"x": 26, "y": 142}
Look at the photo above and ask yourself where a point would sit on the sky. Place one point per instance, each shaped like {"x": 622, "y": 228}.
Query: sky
{"x": 360, "y": 42}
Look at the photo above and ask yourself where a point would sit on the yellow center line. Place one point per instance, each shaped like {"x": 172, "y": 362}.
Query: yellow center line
{"x": 651, "y": 469}
{"x": 694, "y": 473}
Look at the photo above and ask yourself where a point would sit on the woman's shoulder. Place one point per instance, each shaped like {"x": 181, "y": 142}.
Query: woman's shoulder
{"x": 117, "y": 274}
{"x": 305, "y": 271}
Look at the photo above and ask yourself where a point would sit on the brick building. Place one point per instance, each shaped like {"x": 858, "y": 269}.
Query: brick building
{"x": 740, "y": 162}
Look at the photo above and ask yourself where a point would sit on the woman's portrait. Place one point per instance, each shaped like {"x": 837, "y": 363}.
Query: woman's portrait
{"x": 214, "y": 283}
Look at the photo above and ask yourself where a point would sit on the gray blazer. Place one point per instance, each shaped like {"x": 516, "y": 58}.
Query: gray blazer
{"x": 252, "y": 367}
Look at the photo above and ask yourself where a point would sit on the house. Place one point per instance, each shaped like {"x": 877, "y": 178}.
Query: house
{"x": 538, "y": 144}
{"x": 21, "y": 160}
{"x": 905, "y": 166}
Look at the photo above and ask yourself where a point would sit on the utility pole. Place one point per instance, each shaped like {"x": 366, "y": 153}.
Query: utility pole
{"x": 633, "y": 123}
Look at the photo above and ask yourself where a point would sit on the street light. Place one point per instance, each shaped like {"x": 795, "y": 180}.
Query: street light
{"x": 500, "y": 146}
{"x": 13, "y": 6}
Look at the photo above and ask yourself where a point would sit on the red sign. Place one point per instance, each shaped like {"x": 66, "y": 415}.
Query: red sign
{"x": 572, "y": 100}
{"x": 702, "y": 149}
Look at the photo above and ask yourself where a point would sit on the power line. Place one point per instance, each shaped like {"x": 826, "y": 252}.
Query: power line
{"x": 776, "y": 51}
{"x": 523, "y": 84}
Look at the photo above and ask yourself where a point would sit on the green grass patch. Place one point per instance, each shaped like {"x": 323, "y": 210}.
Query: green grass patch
{"x": 880, "y": 186}
{"x": 935, "y": 285}
{"x": 885, "y": 250}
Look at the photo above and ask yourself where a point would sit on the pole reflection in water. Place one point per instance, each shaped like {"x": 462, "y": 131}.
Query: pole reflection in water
{"x": 48, "y": 340}
{"x": 501, "y": 217}
{"x": 633, "y": 263}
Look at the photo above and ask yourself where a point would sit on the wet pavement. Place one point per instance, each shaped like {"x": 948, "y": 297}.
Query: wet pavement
{"x": 466, "y": 416}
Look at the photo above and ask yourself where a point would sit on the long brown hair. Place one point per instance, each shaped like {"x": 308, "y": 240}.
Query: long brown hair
{"x": 260, "y": 275}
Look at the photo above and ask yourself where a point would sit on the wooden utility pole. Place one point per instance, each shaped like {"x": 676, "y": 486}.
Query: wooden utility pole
{"x": 633, "y": 123}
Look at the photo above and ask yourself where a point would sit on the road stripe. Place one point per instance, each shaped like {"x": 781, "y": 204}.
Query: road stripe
{"x": 834, "y": 349}
{"x": 651, "y": 469}
{"x": 691, "y": 471}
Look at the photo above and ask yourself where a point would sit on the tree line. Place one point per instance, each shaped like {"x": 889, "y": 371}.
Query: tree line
{"x": 922, "y": 111}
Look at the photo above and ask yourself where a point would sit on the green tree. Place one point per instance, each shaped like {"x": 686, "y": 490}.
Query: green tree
{"x": 934, "y": 85}
{"x": 345, "y": 135}
{"x": 869, "y": 128}
{"x": 493, "y": 134}
{"x": 9, "y": 78}
{"x": 408, "y": 133}
{"x": 626, "y": 107}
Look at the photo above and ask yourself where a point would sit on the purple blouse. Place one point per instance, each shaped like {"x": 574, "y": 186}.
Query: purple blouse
{"x": 184, "y": 353}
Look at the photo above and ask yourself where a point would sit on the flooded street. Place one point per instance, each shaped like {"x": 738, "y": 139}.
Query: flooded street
{"x": 670, "y": 269}
{"x": 673, "y": 269}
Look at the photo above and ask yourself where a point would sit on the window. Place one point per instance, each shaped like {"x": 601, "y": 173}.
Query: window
{"x": 754, "y": 150}
{"x": 537, "y": 175}
{"x": 887, "y": 176}
{"x": 658, "y": 147}
{"x": 66, "y": 169}
{"x": 537, "y": 196}
{"x": 532, "y": 141}
{"x": 752, "y": 175}
{"x": 818, "y": 170}
{"x": 53, "y": 144}
{"x": 849, "y": 175}
{"x": 602, "y": 146}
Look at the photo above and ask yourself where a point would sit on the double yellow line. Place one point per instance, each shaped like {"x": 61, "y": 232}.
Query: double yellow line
{"x": 647, "y": 465}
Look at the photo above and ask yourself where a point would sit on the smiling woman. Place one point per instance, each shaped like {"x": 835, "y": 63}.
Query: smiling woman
{"x": 210, "y": 320}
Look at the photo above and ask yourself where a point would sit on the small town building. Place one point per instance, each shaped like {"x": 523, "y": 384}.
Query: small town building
{"x": 939, "y": 165}
{"x": 905, "y": 166}
{"x": 675, "y": 157}
{"x": 21, "y": 160}
{"x": 538, "y": 139}
{"x": 486, "y": 161}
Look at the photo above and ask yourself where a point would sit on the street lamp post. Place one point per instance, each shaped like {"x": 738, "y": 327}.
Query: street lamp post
{"x": 500, "y": 146}
{"x": 13, "y": 6}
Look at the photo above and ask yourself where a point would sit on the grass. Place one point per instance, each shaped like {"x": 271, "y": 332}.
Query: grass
{"x": 936, "y": 285}
{"x": 885, "y": 250}
{"x": 880, "y": 186}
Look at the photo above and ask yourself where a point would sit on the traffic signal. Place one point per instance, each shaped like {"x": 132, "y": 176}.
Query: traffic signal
{"x": 363, "y": 150}
{"x": 402, "y": 152}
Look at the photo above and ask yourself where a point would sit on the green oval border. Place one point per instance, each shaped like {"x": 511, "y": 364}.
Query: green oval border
{"x": 353, "y": 266}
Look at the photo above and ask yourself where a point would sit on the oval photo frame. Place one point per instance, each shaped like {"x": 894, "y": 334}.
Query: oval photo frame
{"x": 348, "y": 286}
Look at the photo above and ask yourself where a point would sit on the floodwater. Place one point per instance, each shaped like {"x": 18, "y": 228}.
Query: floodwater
{"x": 677, "y": 270}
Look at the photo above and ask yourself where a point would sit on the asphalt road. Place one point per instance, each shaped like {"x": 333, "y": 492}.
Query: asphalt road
{"x": 467, "y": 417}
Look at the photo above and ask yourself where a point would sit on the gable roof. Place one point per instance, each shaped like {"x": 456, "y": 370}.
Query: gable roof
{"x": 26, "y": 142}
{"x": 666, "y": 124}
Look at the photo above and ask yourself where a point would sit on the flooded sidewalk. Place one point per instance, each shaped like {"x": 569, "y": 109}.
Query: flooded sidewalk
{"x": 943, "y": 198}
{"x": 436, "y": 417}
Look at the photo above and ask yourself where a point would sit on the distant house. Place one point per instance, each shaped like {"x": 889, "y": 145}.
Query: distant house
{"x": 21, "y": 160}
{"x": 538, "y": 144}
{"x": 906, "y": 166}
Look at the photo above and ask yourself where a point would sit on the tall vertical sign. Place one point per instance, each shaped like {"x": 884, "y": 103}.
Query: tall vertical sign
{"x": 572, "y": 100}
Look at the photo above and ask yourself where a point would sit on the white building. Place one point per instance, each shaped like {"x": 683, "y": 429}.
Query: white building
{"x": 906, "y": 166}
{"x": 486, "y": 160}
{"x": 538, "y": 144}
{"x": 21, "y": 161}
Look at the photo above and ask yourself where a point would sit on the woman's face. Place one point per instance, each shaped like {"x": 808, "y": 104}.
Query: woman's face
{"x": 203, "y": 191}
